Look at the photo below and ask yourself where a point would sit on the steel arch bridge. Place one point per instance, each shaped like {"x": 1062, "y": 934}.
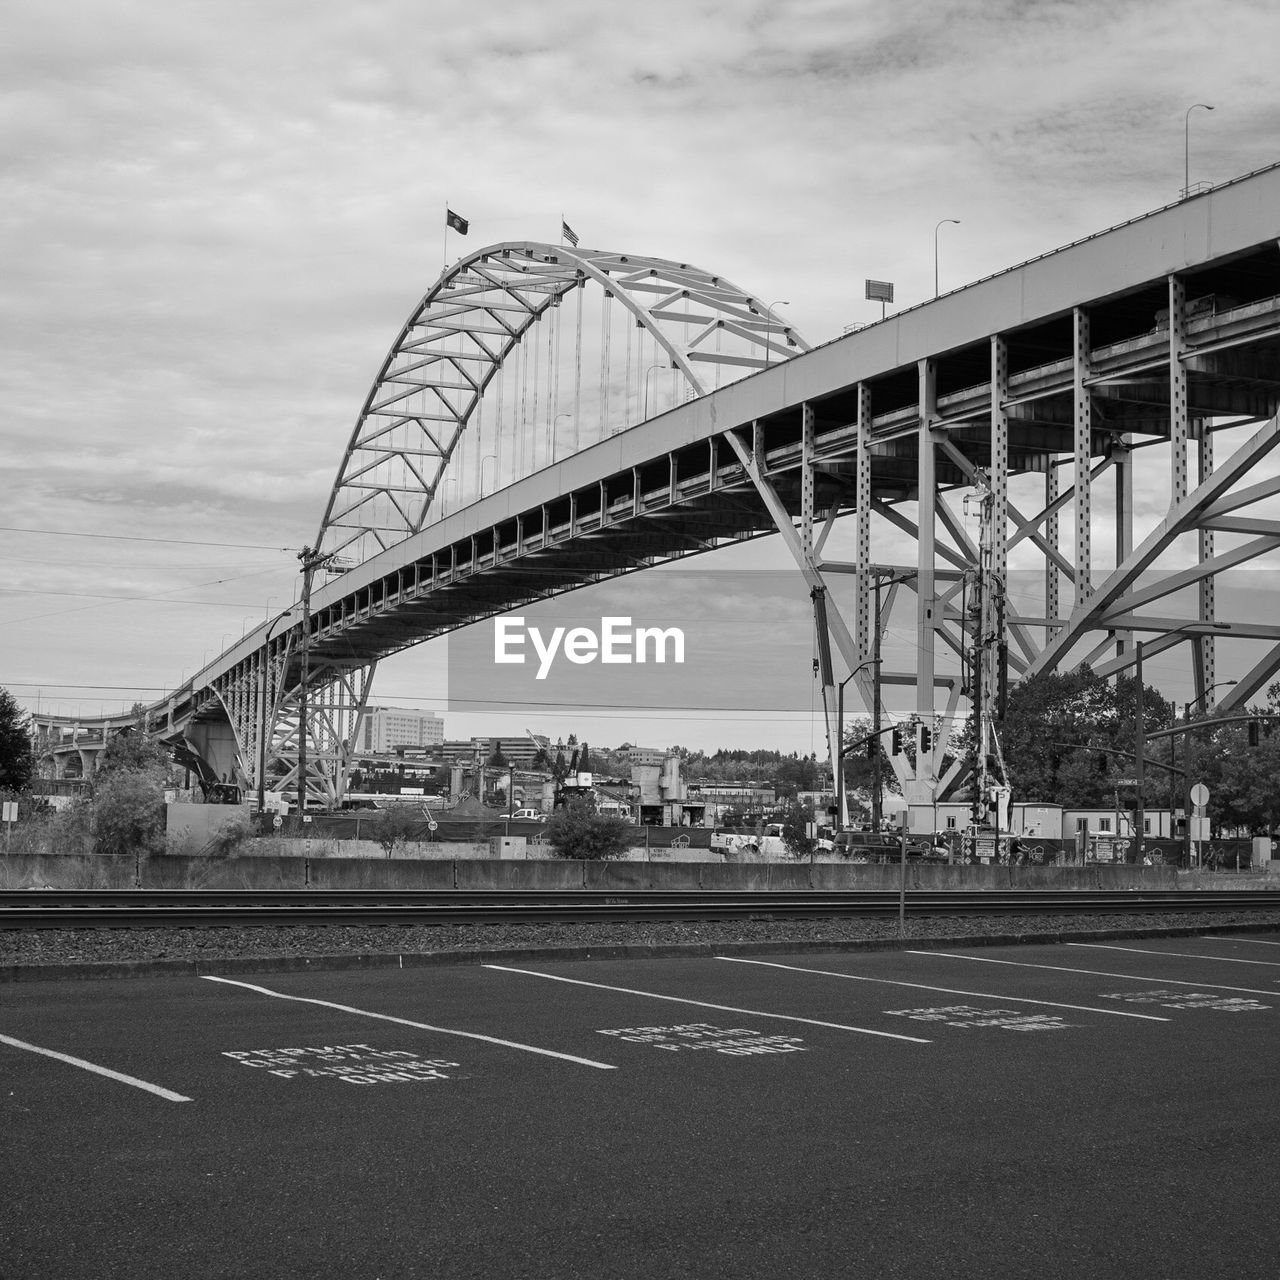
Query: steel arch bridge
{"x": 1035, "y": 393}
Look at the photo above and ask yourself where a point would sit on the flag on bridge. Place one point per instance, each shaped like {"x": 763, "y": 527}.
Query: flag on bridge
{"x": 458, "y": 223}
{"x": 568, "y": 233}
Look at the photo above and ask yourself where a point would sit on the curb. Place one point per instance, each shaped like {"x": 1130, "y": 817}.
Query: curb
{"x": 100, "y": 969}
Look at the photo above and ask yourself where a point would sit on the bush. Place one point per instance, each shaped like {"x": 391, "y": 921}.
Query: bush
{"x": 71, "y": 829}
{"x": 128, "y": 814}
{"x": 578, "y": 831}
{"x": 795, "y": 832}
{"x": 231, "y": 836}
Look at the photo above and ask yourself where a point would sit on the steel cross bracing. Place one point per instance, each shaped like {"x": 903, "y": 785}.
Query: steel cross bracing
{"x": 1059, "y": 381}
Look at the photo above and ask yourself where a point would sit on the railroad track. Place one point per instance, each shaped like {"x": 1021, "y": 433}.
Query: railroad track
{"x": 180, "y": 908}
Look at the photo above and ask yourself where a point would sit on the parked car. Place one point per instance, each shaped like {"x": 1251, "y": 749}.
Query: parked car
{"x": 529, "y": 815}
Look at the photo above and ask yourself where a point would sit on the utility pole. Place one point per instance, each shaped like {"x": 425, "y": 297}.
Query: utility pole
{"x": 1140, "y": 771}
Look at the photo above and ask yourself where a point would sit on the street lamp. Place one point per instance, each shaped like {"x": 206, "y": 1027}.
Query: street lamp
{"x": 1222, "y": 684}
{"x": 768, "y": 330}
{"x": 956, "y": 222}
{"x": 1186, "y": 147}
{"x": 551, "y": 441}
{"x": 647, "y": 372}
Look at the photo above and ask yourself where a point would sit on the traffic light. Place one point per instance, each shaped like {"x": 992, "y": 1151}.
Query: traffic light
{"x": 895, "y": 743}
{"x": 1253, "y": 733}
{"x": 873, "y": 746}
{"x": 1100, "y": 765}
{"x": 926, "y": 739}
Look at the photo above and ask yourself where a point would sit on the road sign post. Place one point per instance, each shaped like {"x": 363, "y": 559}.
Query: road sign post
{"x": 1198, "y": 823}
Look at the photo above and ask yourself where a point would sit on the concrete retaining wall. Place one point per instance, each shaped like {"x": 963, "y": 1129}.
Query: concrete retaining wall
{"x": 23, "y": 871}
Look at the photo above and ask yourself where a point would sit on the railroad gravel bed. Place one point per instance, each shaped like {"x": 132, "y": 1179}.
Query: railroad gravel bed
{"x": 20, "y": 949}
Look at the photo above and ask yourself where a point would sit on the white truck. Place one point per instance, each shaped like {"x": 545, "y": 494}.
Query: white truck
{"x": 771, "y": 842}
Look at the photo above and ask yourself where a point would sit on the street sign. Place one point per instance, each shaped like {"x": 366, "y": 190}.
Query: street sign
{"x": 1199, "y": 795}
{"x": 1126, "y": 782}
{"x": 10, "y": 811}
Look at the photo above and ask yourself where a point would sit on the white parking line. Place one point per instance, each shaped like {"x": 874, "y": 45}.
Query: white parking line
{"x": 949, "y": 991}
{"x": 704, "y": 1004}
{"x": 421, "y": 1026}
{"x": 1257, "y": 942}
{"x": 1094, "y": 973}
{"x": 167, "y": 1094}
{"x": 1180, "y": 955}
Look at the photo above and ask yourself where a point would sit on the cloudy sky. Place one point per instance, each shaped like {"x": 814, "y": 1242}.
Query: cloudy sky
{"x": 217, "y": 215}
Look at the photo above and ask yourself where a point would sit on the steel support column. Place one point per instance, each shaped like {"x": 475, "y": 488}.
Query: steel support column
{"x": 1052, "y": 535}
{"x": 1122, "y": 457}
{"x": 862, "y": 552}
{"x": 926, "y": 500}
{"x": 1082, "y": 399}
{"x": 1204, "y": 659}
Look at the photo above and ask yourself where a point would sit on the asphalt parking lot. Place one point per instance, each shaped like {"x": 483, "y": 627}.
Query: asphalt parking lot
{"x": 1103, "y": 1109}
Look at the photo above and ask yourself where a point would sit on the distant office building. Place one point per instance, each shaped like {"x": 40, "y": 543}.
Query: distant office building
{"x": 385, "y": 728}
{"x": 515, "y": 751}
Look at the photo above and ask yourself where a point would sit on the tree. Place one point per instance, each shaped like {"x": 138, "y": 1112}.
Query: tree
{"x": 130, "y": 751}
{"x": 17, "y": 760}
{"x": 394, "y": 826}
{"x": 497, "y": 760}
{"x": 1068, "y": 736}
{"x": 578, "y": 831}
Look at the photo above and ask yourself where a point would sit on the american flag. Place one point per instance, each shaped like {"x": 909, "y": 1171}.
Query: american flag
{"x": 568, "y": 233}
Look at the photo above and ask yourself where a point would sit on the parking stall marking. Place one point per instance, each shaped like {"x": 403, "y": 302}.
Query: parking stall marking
{"x": 421, "y": 1026}
{"x": 1178, "y": 955}
{"x": 948, "y": 991}
{"x": 1092, "y": 973}
{"x": 1189, "y": 1000}
{"x": 706, "y": 1004}
{"x": 735, "y": 1041}
{"x": 1257, "y": 942}
{"x": 966, "y": 1017}
{"x": 167, "y": 1094}
{"x": 358, "y": 1064}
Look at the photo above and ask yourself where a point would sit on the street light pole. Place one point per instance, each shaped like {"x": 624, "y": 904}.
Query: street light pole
{"x": 1186, "y": 147}
{"x": 552, "y": 442}
{"x": 768, "y": 329}
{"x": 647, "y": 372}
{"x": 956, "y": 222}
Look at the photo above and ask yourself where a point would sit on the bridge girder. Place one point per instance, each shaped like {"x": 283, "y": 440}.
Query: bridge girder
{"x": 1146, "y": 346}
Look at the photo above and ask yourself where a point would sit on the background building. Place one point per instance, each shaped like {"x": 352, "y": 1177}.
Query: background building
{"x": 384, "y": 728}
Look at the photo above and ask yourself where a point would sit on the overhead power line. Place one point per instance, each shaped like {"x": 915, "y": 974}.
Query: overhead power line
{"x": 124, "y": 537}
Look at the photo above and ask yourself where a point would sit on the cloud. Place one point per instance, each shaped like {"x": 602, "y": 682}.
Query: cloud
{"x": 216, "y": 217}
